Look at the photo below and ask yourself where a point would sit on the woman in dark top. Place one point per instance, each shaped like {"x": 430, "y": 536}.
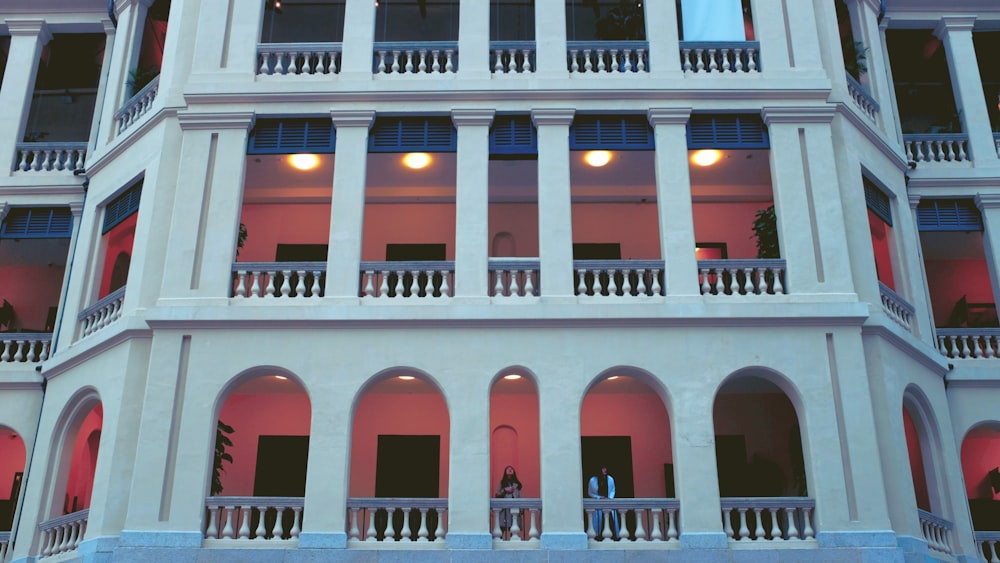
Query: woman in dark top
{"x": 510, "y": 487}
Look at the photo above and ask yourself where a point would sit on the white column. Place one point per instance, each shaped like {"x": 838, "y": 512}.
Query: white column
{"x": 27, "y": 37}
{"x": 908, "y": 261}
{"x": 469, "y": 485}
{"x": 864, "y": 19}
{"x": 472, "y": 235}
{"x": 347, "y": 213}
{"x": 956, "y": 33}
{"x": 550, "y": 40}
{"x": 135, "y": 26}
{"x": 122, "y": 49}
{"x": 890, "y": 119}
{"x": 76, "y": 210}
{"x": 212, "y": 55}
{"x": 801, "y": 32}
{"x": 989, "y": 207}
{"x": 559, "y": 440}
{"x": 769, "y": 29}
{"x": 245, "y": 25}
{"x": 474, "y": 39}
{"x": 664, "y": 39}
{"x": 555, "y": 212}
{"x": 102, "y": 88}
{"x": 695, "y": 471}
{"x": 359, "y": 35}
{"x": 673, "y": 201}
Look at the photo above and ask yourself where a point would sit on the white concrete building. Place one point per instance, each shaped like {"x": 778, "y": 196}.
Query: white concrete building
{"x": 293, "y": 279}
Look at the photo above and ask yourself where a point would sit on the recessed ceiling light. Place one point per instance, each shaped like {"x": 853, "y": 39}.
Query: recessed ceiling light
{"x": 613, "y": 377}
{"x": 407, "y": 377}
{"x": 304, "y": 161}
{"x": 706, "y": 157}
{"x": 512, "y": 377}
{"x": 417, "y": 160}
{"x": 280, "y": 377}
{"x": 597, "y": 159}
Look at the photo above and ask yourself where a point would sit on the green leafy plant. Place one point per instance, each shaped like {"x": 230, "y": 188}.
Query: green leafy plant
{"x": 855, "y": 57}
{"x": 624, "y": 22}
{"x": 765, "y": 230}
{"x": 241, "y": 238}
{"x": 222, "y": 442}
{"x": 141, "y": 77}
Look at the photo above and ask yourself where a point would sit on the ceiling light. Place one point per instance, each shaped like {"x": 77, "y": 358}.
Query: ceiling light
{"x": 512, "y": 377}
{"x": 280, "y": 377}
{"x": 407, "y": 377}
{"x": 304, "y": 161}
{"x": 613, "y": 377}
{"x": 597, "y": 159}
{"x": 417, "y": 160}
{"x": 706, "y": 157}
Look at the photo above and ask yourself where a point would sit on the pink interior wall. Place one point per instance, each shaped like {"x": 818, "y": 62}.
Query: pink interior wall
{"x": 417, "y": 414}
{"x": 254, "y": 415}
{"x": 880, "y": 245}
{"x": 80, "y": 483}
{"x": 521, "y": 221}
{"x": 644, "y": 418}
{"x": 12, "y": 459}
{"x": 766, "y": 420}
{"x": 916, "y": 462}
{"x": 269, "y": 224}
{"x": 520, "y": 413}
{"x": 31, "y": 290}
{"x": 407, "y": 223}
{"x": 949, "y": 280}
{"x": 119, "y": 239}
{"x": 633, "y": 225}
{"x": 980, "y": 455}
{"x": 731, "y": 223}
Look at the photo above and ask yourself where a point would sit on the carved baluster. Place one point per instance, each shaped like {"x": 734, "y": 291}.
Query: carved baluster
{"x": 672, "y": 524}
{"x": 961, "y": 151}
{"x": 751, "y": 60}
{"x": 395, "y": 62}
{"x": 612, "y": 284}
{"x": 591, "y": 534}
{"x": 279, "y": 523}
{"x": 748, "y": 281}
{"x": 713, "y": 65}
{"x": 244, "y": 522}
{"x": 581, "y": 288}
{"x": 640, "y": 60}
{"x": 5, "y": 357}
{"x": 227, "y": 528}
{"x": 398, "y": 289}
{"x": 422, "y": 531}
{"x": 529, "y": 286}
{"x": 296, "y": 522}
{"x": 286, "y": 287}
{"x": 626, "y": 282}
{"x": 640, "y": 530}
{"x": 642, "y": 290}
{"x": 315, "y": 289}
{"x": 422, "y": 64}
{"x": 686, "y": 60}
{"x": 532, "y": 527}
{"x": 778, "y": 288}
{"x": 738, "y": 60}
{"x": 371, "y": 534}
{"x": 758, "y": 525}
{"x": 655, "y": 534}
{"x": 606, "y": 515}
{"x": 442, "y": 527}
{"x": 734, "y": 282}
{"x": 19, "y": 355}
{"x": 498, "y": 65}
{"x": 775, "y": 529}
{"x": 495, "y": 518}
{"x": 720, "y": 288}
{"x": 515, "y": 291}
{"x": 435, "y": 61}
{"x": 255, "y": 285}
{"x": 46, "y": 347}
{"x": 260, "y": 533}
{"x": 380, "y": 67}
{"x": 744, "y": 531}
{"x": 369, "y": 287}
{"x": 600, "y": 61}
{"x": 515, "y": 525}
{"x": 574, "y": 66}
{"x": 587, "y": 64}
{"x": 725, "y": 60}
{"x": 526, "y": 54}
{"x": 807, "y": 529}
{"x": 449, "y": 63}
{"x": 793, "y": 531}
{"x": 445, "y": 288}
{"x": 212, "y": 531}
{"x": 615, "y": 65}
{"x": 406, "y": 524}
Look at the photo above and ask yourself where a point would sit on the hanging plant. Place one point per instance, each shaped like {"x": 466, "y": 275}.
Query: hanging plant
{"x": 222, "y": 442}
{"x": 855, "y": 57}
{"x": 765, "y": 229}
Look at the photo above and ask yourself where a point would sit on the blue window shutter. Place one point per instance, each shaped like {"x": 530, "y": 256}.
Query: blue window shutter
{"x": 412, "y": 134}
{"x": 284, "y": 136}
{"x": 122, "y": 207}
{"x": 878, "y": 202}
{"x": 37, "y": 222}
{"x": 948, "y": 215}
{"x": 513, "y": 134}
{"x": 727, "y": 131}
{"x": 611, "y": 132}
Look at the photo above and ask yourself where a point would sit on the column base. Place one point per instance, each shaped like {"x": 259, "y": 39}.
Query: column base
{"x": 704, "y": 540}
{"x": 872, "y": 538}
{"x": 97, "y": 549}
{"x": 457, "y": 540}
{"x": 563, "y": 540}
{"x": 914, "y": 549}
{"x": 137, "y": 538}
{"x": 323, "y": 540}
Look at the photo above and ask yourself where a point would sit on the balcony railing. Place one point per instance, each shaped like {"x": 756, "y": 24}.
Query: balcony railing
{"x": 253, "y": 518}
{"x": 771, "y": 519}
{"x": 864, "y": 100}
{"x": 937, "y": 149}
{"x": 512, "y": 57}
{"x": 514, "y": 277}
{"x": 937, "y": 531}
{"x": 137, "y": 105}
{"x": 50, "y": 157}
{"x": 425, "y": 57}
{"x": 409, "y": 280}
{"x": 715, "y": 57}
{"x": 589, "y": 57}
{"x": 996, "y": 141}
{"x": 301, "y": 280}
{"x": 521, "y": 517}
{"x": 397, "y": 519}
{"x": 31, "y": 348}
{"x": 102, "y": 313}
{"x": 742, "y": 277}
{"x": 896, "y": 307}
{"x": 6, "y": 548}
{"x": 64, "y": 533}
{"x": 989, "y": 545}
{"x": 280, "y": 59}
{"x": 637, "y": 519}
{"x": 969, "y": 343}
{"x": 623, "y": 278}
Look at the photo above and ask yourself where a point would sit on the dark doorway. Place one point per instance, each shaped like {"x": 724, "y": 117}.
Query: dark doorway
{"x": 597, "y": 251}
{"x": 300, "y": 253}
{"x": 731, "y": 457}
{"x": 407, "y": 467}
{"x": 614, "y": 452}
{"x": 415, "y": 252}
{"x": 281, "y": 466}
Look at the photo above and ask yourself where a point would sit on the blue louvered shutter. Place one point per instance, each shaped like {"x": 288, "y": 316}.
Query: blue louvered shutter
{"x": 727, "y": 131}
{"x": 948, "y": 215}
{"x": 412, "y": 134}
{"x": 123, "y": 206}
{"x": 513, "y": 134}
{"x": 37, "y": 222}
{"x": 611, "y": 132}
{"x": 878, "y": 202}
{"x": 285, "y": 136}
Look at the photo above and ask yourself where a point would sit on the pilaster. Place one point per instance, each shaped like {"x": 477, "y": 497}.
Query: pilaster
{"x": 559, "y": 439}
{"x": 359, "y": 38}
{"x": 550, "y": 40}
{"x": 989, "y": 207}
{"x": 469, "y": 466}
{"x": 121, "y": 49}
{"x": 802, "y": 32}
{"x": 474, "y": 38}
{"x": 238, "y": 57}
{"x": 472, "y": 204}
{"x": 769, "y": 28}
{"x": 864, "y": 19}
{"x": 555, "y": 213}
{"x": 890, "y": 116}
{"x": 664, "y": 39}
{"x": 27, "y": 37}
{"x": 695, "y": 471}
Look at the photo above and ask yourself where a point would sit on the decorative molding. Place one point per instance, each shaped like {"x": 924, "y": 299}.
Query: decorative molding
{"x": 123, "y": 142}
{"x": 76, "y": 209}
{"x": 472, "y": 117}
{"x": 668, "y": 116}
{"x": 352, "y": 118}
{"x": 987, "y": 201}
{"x": 192, "y": 121}
{"x": 919, "y": 350}
{"x": 4, "y": 210}
{"x": 890, "y": 150}
{"x": 109, "y": 27}
{"x": 914, "y": 200}
{"x": 951, "y": 24}
{"x": 798, "y": 115}
{"x": 30, "y": 28}
{"x": 555, "y": 116}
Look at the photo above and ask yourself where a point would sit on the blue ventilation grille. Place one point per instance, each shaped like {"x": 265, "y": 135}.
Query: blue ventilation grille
{"x": 728, "y": 131}
{"x": 948, "y": 215}
{"x": 513, "y": 134}
{"x": 412, "y": 134}
{"x": 122, "y": 207}
{"x": 283, "y": 136}
{"x": 878, "y": 202}
{"x": 37, "y": 222}
{"x": 618, "y": 132}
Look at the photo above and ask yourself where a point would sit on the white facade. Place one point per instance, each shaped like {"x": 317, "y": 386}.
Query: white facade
{"x": 866, "y": 420}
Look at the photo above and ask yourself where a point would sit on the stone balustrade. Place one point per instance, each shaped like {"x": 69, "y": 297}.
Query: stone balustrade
{"x": 63, "y": 534}
{"x": 937, "y": 149}
{"x": 742, "y": 277}
{"x": 524, "y": 515}
{"x": 862, "y": 99}
{"x": 6, "y": 547}
{"x": 514, "y": 277}
{"x": 425, "y": 57}
{"x": 284, "y": 59}
{"x": 50, "y": 157}
{"x": 623, "y": 278}
{"x": 996, "y": 142}
{"x": 768, "y": 519}
{"x": 937, "y": 532}
{"x": 253, "y": 518}
{"x": 512, "y": 57}
{"x": 638, "y": 519}
{"x": 588, "y": 57}
{"x": 720, "y": 57}
{"x": 31, "y": 348}
{"x": 102, "y": 313}
{"x": 989, "y": 546}
{"x": 419, "y": 520}
{"x": 410, "y": 280}
{"x": 300, "y": 280}
{"x": 137, "y": 105}
{"x": 896, "y": 308}
{"x": 969, "y": 343}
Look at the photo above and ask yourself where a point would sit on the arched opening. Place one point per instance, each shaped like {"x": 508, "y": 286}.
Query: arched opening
{"x": 261, "y": 450}
{"x": 923, "y": 444}
{"x": 916, "y": 456}
{"x": 399, "y": 459}
{"x": 981, "y": 469}
{"x": 625, "y": 430}
{"x": 83, "y": 463}
{"x": 12, "y": 460}
{"x": 514, "y": 443}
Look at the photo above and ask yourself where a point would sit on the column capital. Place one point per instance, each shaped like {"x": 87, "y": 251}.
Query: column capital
{"x": 190, "y": 121}
{"x": 553, "y": 116}
{"x": 352, "y": 118}
{"x": 668, "y": 116}
{"x": 914, "y": 200}
{"x": 884, "y": 24}
{"x": 109, "y": 27}
{"x": 76, "y": 209}
{"x": 4, "y": 209}
{"x": 30, "y": 28}
{"x": 987, "y": 201}
{"x": 950, "y": 24}
{"x": 120, "y": 5}
{"x": 472, "y": 117}
{"x": 795, "y": 115}
{"x": 874, "y": 5}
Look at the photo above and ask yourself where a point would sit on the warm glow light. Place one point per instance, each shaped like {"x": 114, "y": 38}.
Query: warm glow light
{"x": 612, "y": 378}
{"x": 512, "y": 377}
{"x": 706, "y": 157}
{"x": 280, "y": 377}
{"x": 417, "y": 160}
{"x": 304, "y": 161}
{"x": 407, "y": 377}
{"x": 597, "y": 159}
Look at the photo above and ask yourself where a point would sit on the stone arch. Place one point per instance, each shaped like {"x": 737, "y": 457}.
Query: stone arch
{"x": 514, "y": 428}
{"x": 13, "y": 461}
{"x": 926, "y": 464}
{"x": 979, "y": 452}
{"x": 81, "y": 415}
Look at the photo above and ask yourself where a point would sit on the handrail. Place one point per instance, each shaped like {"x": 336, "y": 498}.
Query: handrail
{"x": 514, "y": 263}
{"x": 896, "y": 298}
{"x": 42, "y": 336}
{"x": 742, "y": 263}
{"x": 287, "y": 502}
{"x": 935, "y": 137}
{"x": 371, "y": 502}
{"x": 768, "y": 502}
{"x": 61, "y": 146}
{"x": 154, "y": 83}
{"x": 504, "y": 45}
{"x": 103, "y": 302}
{"x": 631, "y": 503}
{"x": 968, "y": 331}
{"x": 719, "y": 44}
{"x": 607, "y": 45}
{"x": 617, "y": 264}
{"x": 64, "y": 519}
{"x": 986, "y": 536}
{"x": 522, "y": 503}
{"x": 422, "y": 265}
{"x": 284, "y": 47}
{"x": 415, "y": 45}
{"x": 279, "y": 266}
{"x": 862, "y": 91}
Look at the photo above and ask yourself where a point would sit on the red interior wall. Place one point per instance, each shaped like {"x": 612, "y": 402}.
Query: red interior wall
{"x": 31, "y": 290}
{"x": 766, "y": 420}
{"x": 80, "y": 483}
{"x": 119, "y": 239}
{"x": 407, "y": 223}
{"x": 12, "y": 460}
{"x": 731, "y": 223}
{"x": 980, "y": 455}
{"x": 286, "y": 223}
{"x": 916, "y": 462}
{"x": 521, "y": 221}
{"x": 880, "y": 233}
{"x": 633, "y": 225}
{"x": 519, "y": 412}
{"x": 949, "y": 280}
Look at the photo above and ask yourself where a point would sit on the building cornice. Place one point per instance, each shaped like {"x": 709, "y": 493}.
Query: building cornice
{"x": 30, "y": 28}
{"x": 890, "y": 151}
{"x": 472, "y": 117}
{"x": 950, "y": 24}
{"x": 192, "y": 121}
{"x": 987, "y": 201}
{"x": 914, "y": 200}
{"x": 352, "y": 118}
{"x": 552, "y": 116}
{"x": 122, "y": 142}
{"x": 793, "y": 115}
{"x": 668, "y": 116}
{"x": 916, "y": 349}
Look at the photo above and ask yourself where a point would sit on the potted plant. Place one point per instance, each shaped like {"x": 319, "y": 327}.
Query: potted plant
{"x": 765, "y": 230}
{"x": 222, "y": 441}
{"x": 855, "y": 57}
